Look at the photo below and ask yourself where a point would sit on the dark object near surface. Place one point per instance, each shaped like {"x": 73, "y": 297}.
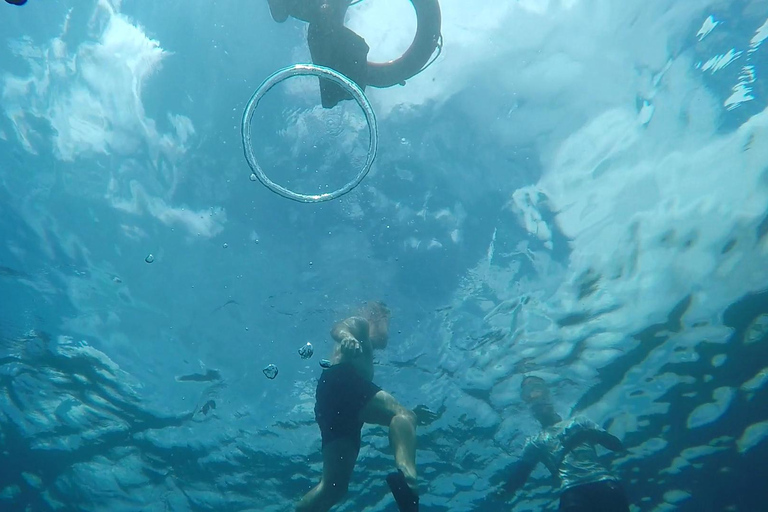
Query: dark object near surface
{"x": 335, "y": 46}
{"x": 415, "y": 59}
{"x": 16, "y": 2}
{"x": 210, "y": 404}
{"x": 208, "y": 376}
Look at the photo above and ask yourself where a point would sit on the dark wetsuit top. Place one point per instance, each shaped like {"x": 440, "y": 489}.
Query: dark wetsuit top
{"x": 341, "y": 395}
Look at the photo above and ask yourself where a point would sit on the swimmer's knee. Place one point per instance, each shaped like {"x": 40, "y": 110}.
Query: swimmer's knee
{"x": 406, "y": 415}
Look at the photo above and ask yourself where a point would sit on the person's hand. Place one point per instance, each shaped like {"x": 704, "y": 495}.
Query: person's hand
{"x": 351, "y": 347}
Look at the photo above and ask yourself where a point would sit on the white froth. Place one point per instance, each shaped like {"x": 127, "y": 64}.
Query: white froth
{"x": 757, "y": 330}
{"x": 676, "y": 496}
{"x": 752, "y": 436}
{"x": 761, "y": 34}
{"x": 719, "y": 62}
{"x": 757, "y": 382}
{"x": 710, "y": 412}
{"x": 92, "y": 97}
{"x": 707, "y": 27}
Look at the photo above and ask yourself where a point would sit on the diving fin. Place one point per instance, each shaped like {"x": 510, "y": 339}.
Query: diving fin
{"x": 342, "y": 50}
{"x": 406, "y": 499}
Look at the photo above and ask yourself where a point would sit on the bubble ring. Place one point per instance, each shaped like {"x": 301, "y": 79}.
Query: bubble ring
{"x": 322, "y": 72}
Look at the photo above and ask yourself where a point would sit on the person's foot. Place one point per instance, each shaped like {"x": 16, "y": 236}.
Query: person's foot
{"x": 406, "y": 496}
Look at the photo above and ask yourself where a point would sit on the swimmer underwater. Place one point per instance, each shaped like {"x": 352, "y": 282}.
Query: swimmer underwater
{"x": 346, "y": 398}
{"x": 333, "y": 45}
{"x": 567, "y": 450}
{"x": 330, "y": 43}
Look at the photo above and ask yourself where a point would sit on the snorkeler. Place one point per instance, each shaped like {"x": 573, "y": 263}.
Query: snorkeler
{"x": 346, "y": 398}
{"x": 567, "y": 449}
{"x": 333, "y": 45}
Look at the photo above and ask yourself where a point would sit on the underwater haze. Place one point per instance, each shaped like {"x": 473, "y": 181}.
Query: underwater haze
{"x": 574, "y": 189}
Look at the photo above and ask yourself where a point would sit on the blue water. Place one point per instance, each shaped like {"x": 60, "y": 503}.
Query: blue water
{"x": 570, "y": 191}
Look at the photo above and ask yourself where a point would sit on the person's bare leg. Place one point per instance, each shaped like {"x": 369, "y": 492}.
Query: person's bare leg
{"x": 339, "y": 458}
{"x": 384, "y": 410}
{"x": 402, "y": 438}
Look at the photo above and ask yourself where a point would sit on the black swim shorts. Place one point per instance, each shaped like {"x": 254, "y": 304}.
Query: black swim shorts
{"x": 604, "y": 496}
{"x": 341, "y": 395}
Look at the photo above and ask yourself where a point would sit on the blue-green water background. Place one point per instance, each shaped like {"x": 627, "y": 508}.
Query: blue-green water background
{"x": 646, "y": 315}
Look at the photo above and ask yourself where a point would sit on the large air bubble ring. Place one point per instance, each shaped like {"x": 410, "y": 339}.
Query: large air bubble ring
{"x": 322, "y": 72}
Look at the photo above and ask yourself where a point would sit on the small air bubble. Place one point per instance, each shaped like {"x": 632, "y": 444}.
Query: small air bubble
{"x": 270, "y": 371}
{"x": 225, "y": 246}
{"x": 306, "y": 351}
{"x": 253, "y": 177}
{"x": 149, "y": 258}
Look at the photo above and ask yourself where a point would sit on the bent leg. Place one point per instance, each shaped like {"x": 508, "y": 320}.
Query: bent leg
{"x": 339, "y": 457}
{"x": 384, "y": 410}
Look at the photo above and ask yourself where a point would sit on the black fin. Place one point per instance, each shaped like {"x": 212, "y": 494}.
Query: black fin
{"x": 342, "y": 50}
{"x": 406, "y": 499}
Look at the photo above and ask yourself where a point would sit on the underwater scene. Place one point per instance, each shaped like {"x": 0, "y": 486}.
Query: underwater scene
{"x": 384, "y": 255}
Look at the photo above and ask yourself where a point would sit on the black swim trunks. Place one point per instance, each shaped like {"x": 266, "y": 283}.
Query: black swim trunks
{"x": 604, "y": 496}
{"x": 341, "y": 395}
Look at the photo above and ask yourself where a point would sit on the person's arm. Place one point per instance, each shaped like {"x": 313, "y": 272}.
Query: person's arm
{"x": 350, "y": 333}
{"x": 590, "y": 432}
{"x": 610, "y": 441}
{"x": 519, "y": 474}
{"x": 514, "y": 477}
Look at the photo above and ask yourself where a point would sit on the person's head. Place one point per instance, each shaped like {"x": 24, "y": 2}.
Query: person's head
{"x": 377, "y": 314}
{"x": 536, "y": 394}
